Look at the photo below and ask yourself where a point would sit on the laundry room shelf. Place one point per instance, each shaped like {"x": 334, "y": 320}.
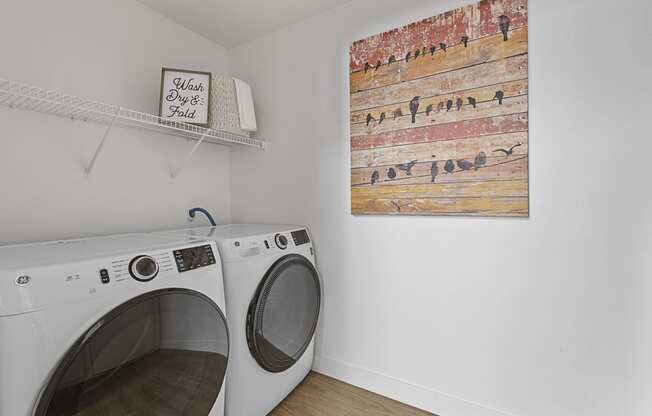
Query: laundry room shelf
{"x": 22, "y": 96}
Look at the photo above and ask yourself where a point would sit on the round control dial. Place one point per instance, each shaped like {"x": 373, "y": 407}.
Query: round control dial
{"x": 143, "y": 268}
{"x": 281, "y": 241}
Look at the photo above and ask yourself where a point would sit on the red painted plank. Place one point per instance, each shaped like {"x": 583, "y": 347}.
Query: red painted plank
{"x": 474, "y": 21}
{"x": 450, "y": 131}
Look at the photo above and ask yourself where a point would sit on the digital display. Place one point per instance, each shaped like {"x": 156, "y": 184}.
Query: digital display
{"x": 194, "y": 258}
{"x": 300, "y": 237}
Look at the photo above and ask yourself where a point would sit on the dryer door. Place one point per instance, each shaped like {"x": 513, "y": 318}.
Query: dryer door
{"x": 162, "y": 353}
{"x": 283, "y": 313}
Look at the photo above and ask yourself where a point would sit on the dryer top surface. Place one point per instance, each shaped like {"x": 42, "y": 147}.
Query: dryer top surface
{"x": 229, "y": 231}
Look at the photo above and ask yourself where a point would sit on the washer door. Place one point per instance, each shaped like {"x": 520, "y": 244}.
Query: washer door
{"x": 283, "y": 313}
{"x": 162, "y": 353}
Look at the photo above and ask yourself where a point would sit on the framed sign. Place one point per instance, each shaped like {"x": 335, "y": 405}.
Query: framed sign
{"x": 185, "y": 96}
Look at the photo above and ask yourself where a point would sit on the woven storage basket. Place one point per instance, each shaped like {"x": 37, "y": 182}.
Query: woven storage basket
{"x": 224, "y": 106}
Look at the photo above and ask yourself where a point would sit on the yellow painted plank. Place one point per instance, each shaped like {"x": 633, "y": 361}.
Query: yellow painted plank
{"x": 441, "y": 150}
{"x": 497, "y": 168}
{"x": 485, "y": 206}
{"x": 514, "y": 188}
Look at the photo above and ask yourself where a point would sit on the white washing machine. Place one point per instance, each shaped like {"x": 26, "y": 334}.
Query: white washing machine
{"x": 273, "y": 299}
{"x": 121, "y": 325}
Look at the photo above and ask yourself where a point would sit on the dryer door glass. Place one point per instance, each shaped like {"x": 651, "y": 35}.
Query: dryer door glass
{"x": 162, "y": 353}
{"x": 283, "y": 314}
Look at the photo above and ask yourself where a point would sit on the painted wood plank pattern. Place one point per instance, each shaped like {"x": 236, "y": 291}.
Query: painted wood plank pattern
{"x": 491, "y": 48}
{"x": 441, "y": 151}
{"x": 443, "y": 130}
{"x": 485, "y": 206}
{"x": 475, "y": 21}
{"x": 513, "y": 188}
{"x": 436, "y": 104}
{"x": 449, "y": 131}
{"x": 319, "y": 395}
{"x": 510, "y": 105}
{"x": 497, "y": 169}
{"x": 490, "y": 73}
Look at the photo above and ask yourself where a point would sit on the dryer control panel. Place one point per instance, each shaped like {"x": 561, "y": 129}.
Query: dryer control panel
{"x": 266, "y": 244}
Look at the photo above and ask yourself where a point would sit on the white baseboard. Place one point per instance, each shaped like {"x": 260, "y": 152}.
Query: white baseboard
{"x": 422, "y": 397}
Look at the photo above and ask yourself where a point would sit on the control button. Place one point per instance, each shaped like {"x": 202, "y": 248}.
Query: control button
{"x": 266, "y": 244}
{"x": 143, "y": 268}
{"x": 281, "y": 241}
{"x": 104, "y": 276}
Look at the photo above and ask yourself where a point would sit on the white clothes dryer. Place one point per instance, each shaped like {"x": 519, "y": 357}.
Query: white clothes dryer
{"x": 273, "y": 298}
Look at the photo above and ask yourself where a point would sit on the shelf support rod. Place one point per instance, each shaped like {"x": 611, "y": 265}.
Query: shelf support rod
{"x": 89, "y": 168}
{"x": 175, "y": 173}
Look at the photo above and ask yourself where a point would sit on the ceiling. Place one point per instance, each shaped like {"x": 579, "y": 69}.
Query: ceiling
{"x": 234, "y": 22}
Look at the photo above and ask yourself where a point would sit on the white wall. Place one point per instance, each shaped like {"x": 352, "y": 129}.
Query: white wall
{"x": 112, "y": 51}
{"x": 545, "y": 316}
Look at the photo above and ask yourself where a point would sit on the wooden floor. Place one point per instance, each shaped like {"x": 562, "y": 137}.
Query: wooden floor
{"x": 320, "y": 395}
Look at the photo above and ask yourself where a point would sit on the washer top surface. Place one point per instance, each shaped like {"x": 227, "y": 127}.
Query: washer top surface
{"x": 225, "y": 232}
{"x": 67, "y": 251}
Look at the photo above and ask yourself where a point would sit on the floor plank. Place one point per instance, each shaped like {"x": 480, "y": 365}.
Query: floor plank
{"x": 320, "y": 395}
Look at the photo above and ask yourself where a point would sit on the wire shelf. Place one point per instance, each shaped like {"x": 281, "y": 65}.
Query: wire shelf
{"x": 22, "y": 96}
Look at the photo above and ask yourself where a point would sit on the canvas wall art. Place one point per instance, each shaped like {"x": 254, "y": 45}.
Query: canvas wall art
{"x": 439, "y": 115}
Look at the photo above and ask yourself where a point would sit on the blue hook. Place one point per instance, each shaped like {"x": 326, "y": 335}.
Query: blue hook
{"x": 208, "y": 215}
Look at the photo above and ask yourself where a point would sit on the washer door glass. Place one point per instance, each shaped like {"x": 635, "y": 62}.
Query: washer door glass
{"x": 283, "y": 313}
{"x": 162, "y": 353}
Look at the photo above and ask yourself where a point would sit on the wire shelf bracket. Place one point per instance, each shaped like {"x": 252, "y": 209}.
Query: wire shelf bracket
{"x": 174, "y": 173}
{"x": 89, "y": 168}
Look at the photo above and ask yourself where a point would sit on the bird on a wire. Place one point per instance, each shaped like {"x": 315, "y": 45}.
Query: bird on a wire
{"x": 367, "y": 67}
{"x": 449, "y": 167}
{"x": 429, "y": 109}
{"x": 464, "y": 164}
{"x": 480, "y": 160}
{"x": 473, "y": 102}
{"x": 374, "y": 177}
{"x": 433, "y": 48}
{"x": 443, "y": 46}
{"x": 500, "y": 95}
{"x": 414, "y": 108}
{"x": 465, "y": 41}
{"x": 407, "y": 167}
{"x": 382, "y": 118}
{"x": 449, "y": 105}
{"x": 504, "y": 26}
{"x": 398, "y": 113}
{"x": 434, "y": 171}
{"x": 510, "y": 151}
{"x": 459, "y": 103}
{"x": 370, "y": 118}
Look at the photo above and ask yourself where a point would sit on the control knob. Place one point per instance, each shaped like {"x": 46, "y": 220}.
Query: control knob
{"x": 281, "y": 241}
{"x": 143, "y": 268}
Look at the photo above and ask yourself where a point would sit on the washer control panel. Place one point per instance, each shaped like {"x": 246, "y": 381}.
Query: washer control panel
{"x": 194, "y": 257}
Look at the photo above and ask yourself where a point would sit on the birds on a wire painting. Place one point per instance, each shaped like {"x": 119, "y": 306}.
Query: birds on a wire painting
{"x": 439, "y": 115}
